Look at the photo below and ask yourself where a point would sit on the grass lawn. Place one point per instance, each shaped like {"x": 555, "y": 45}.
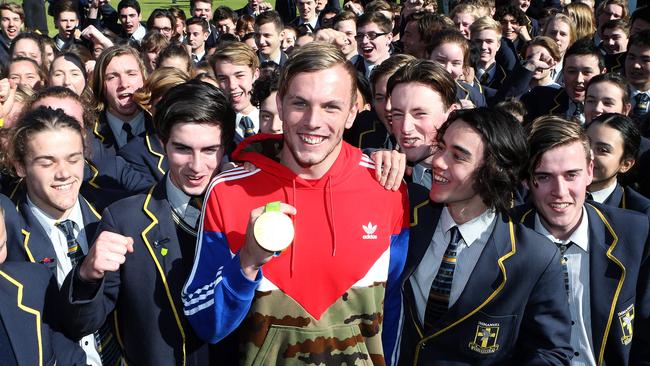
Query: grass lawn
{"x": 149, "y": 5}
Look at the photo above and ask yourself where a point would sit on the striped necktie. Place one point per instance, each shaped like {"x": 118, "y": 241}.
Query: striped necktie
{"x": 563, "y": 248}
{"x": 640, "y": 104}
{"x": 438, "y": 302}
{"x": 107, "y": 346}
{"x": 74, "y": 250}
{"x": 247, "y": 125}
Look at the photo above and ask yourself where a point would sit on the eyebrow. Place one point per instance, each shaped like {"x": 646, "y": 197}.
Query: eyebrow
{"x": 603, "y": 144}
{"x": 462, "y": 150}
{"x": 50, "y": 157}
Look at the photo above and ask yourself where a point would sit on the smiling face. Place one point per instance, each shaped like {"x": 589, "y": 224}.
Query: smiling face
{"x": 454, "y": 167}
{"x": 237, "y": 82}
{"x": 463, "y": 21}
{"x": 315, "y": 110}
{"x": 488, "y": 42}
{"x": 577, "y": 71}
{"x": 10, "y": 23}
{"x": 510, "y": 27}
{"x": 417, "y": 112}
{"x": 450, "y": 56}
{"x": 604, "y": 97}
{"x": 307, "y": 9}
{"x": 25, "y": 73}
{"x": 614, "y": 40}
{"x": 559, "y": 185}
{"x": 53, "y": 170}
{"x": 122, "y": 78}
{"x": 194, "y": 152}
{"x": 608, "y": 147}
{"x": 268, "y": 40}
{"x": 375, "y": 51}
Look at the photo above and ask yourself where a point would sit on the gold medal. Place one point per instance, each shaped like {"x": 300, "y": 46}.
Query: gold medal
{"x": 273, "y": 230}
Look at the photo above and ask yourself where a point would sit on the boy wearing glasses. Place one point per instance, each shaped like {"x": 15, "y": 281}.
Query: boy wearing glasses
{"x": 373, "y": 41}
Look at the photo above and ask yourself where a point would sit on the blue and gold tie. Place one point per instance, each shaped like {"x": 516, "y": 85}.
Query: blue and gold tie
{"x": 247, "y": 126}
{"x": 438, "y": 302}
{"x": 74, "y": 251}
{"x": 107, "y": 346}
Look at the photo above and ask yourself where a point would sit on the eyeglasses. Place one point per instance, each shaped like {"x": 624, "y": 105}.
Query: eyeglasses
{"x": 371, "y": 36}
{"x": 163, "y": 29}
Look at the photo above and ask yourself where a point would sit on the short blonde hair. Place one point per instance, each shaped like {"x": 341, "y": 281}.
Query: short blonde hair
{"x": 583, "y": 17}
{"x": 236, "y": 53}
{"x": 486, "y": 23}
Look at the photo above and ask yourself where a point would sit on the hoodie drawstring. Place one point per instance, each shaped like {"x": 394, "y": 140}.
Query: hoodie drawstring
{"x": 295, "y": 225}
{"x": 331, "y": 214}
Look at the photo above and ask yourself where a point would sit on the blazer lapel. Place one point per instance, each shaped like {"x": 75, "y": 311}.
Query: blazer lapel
{"x": 610, "y": 272}
{"x": 36, "y": 242}
{"x": 424, "y": 218}
{"x": 23, "y": 322}
{"x": 91, "y": 221}
{"x": 487, "y": 279}
{"x": 154, "y": 147}
{"x": 616, "y": 198}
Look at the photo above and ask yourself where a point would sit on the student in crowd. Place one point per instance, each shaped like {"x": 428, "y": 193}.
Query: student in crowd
{"x": 130, "y": 20}
{"x": 265, "y": 90}
{"x": 637, "y": 74}
{"x": 162, "y": 21}
{"x": 225, "y": 19}
{"x": 11, "y": 24}
{"x": 307, "y": 15}
{"x": 154, "y": 234}
{"x": 175, "y": 55}
{"x": 197, "y": 35}
{"x": 478, "y": 286}
{"x": 640, "y": 20}
{"x": 542, "y": 76}
{"x": 374, "y": 37}
{"x": 615, "y": 142}
{"x": 236, "y": 67}
{"x": 26, "y": 72}
{"x": 562, "y": 30}
{"x": 29, "y": 323}
{"x": 604, "y": 249}
{"x": 513, "y": 25}
{"x": 583, "y": 17}
{"x": 421, "y": 30}
{"x": 46, "y": 151}
{"x": 615, "y": 38}
{"x": 30, "y": 45}
{"x": 346, "y": 23}
{"x": 420, "y": 102}
{"x": 581, "y": 62}
{"x": 609, "y": 10}
{"x": 66, "y": 20}
{"x": 151, "y": 45}
{"x": 268, "y": 33}
{"x": 486, "y": 35}
{"x": 119, "y": 72}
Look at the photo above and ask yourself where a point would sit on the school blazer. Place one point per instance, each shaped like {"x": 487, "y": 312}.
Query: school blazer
{"x": 28, "y": 305}
{"x": 145, "y": 292}
{"x": 618, "y": 273}
{"x": 148, "y": 158}
{"x": 513, "y": 310}
{"x": 628, "y": 198}
{"x": 35, "y": 246}
{"x": 544, "y": 100}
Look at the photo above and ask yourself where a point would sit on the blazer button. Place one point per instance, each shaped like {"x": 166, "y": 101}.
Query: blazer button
{"x": 423, "y": 345}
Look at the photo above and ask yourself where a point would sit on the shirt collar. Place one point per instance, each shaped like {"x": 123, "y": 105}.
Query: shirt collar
{"x": 178, "y": 199}
{"x": 601, "y": 195}
{"x": 139, "y": 33}
{"x": 580, "y": 235}
{"x": 634, "y": 92}
{"x": 137, "y": 126}
{"x": 48, "y": 222}
{"x": 473, "y": 229}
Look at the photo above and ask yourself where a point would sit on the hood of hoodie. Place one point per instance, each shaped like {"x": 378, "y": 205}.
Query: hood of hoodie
{"x": 263, "y": 150}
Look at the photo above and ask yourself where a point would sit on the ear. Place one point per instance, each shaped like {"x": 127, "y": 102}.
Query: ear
{"x": 353, "y": 114}
{"x": 626, "y": 165}
{"x": 20, "y": 169}
{"x": 278, "y": 103}
{"x": 627, "y": 107}
{"x": 590, "y": 172}
{"x": 282, "y": 34}
{"x": 389, "y": 36}
{"x": 256, "y": 74}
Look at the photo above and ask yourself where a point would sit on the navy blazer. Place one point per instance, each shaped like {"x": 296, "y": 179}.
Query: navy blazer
{"x": 618, "y": 281}
{"x": 473, "y": 93}
{"x": 543, "y": 100}
{"x": 368, "y": 132}
{"x": 628, "y": 198}
{"x": 102, "y": 132}
{"x": 148, "y": 158}
{"x": 35, "y": 245}
{"x": 146, "y": 291}
{"x": 515, "y": 296}
{"x": 105, "y": 170}
{"x": 28, "y": 306}
{"x": 616, "y": 62}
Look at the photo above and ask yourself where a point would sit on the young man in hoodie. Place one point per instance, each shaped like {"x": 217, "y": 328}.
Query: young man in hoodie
{"x": 336, "y": 284}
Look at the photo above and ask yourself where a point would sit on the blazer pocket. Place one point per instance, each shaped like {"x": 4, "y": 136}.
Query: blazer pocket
{"x": 489, "y": 336}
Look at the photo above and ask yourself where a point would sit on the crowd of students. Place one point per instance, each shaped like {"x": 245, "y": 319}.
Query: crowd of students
{"x": 468, "y": 183}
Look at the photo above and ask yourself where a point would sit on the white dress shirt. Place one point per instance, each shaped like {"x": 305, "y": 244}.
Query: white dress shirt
{"x": 179, "y": 201}
{"x": 255, "y": 118}
{"x": 63, "y": 263}
{"x": 577, "y": 263}
{"x": 601, "y": 195}
{"x": 475, "y": 233}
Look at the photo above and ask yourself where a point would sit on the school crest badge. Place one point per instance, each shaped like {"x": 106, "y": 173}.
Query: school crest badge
{"x": 626, "y": 319}
{"x": 485, "y": 339}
